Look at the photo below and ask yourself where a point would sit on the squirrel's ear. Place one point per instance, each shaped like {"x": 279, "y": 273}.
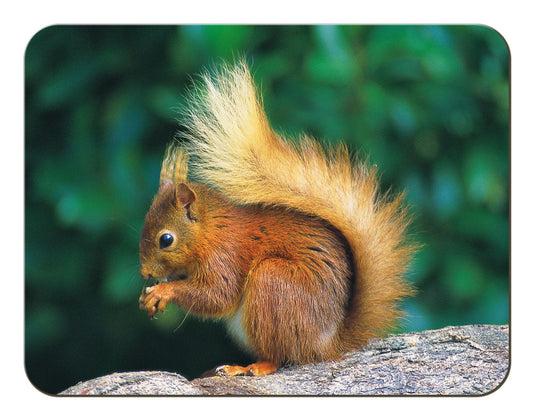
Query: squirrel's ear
{"x": 185, "y": 196}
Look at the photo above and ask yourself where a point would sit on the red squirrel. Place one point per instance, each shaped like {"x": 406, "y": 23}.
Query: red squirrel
{"x": 289, "y": 243}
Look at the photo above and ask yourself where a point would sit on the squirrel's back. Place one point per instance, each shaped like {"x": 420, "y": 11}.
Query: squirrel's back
{"x": 233, "y": 150}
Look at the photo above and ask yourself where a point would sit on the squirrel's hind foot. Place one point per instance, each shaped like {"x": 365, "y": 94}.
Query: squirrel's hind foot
{"x": 256, "y": 369}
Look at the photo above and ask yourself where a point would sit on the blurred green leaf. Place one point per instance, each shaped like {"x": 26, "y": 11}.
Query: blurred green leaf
{"x": 44, "y": 327}
{"x": 484, "y": 183}
{"x": 223, "y": 40}
{"x": 121, "y": 283}
{"x": 464, "y": 277}
{"x": 488, "y": 227}
{"x": 447, "y": 191}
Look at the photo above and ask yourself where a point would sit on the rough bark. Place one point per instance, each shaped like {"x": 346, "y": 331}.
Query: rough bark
{"x": 456, "y": 360}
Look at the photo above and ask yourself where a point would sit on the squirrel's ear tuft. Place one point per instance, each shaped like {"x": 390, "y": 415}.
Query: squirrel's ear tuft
{"x": 185, "y": 196}
{"x": 164, "y": 185}
{"x": 175, "y": 165}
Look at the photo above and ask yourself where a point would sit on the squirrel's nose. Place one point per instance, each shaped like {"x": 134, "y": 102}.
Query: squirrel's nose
{"x": 145, "y": 273}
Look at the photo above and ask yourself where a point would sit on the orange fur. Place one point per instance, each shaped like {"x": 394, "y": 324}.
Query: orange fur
{"x": 289, "y": 242}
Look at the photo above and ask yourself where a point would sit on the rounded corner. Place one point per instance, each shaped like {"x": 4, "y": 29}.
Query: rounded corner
{"x": 37, "y": 34}
{"x": 500, "y": 384}
{"x": 498, "y": 33}
{"x": 35, "y": 386}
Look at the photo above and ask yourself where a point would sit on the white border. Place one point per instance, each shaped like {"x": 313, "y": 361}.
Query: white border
{"x": 23, "y": 20}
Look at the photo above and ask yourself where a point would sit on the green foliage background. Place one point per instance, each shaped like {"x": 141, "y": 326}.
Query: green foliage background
{"x": 428, "y": 104}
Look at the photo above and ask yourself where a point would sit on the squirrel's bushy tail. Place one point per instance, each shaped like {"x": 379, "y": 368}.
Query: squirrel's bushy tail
{"x": 234, "y": 150}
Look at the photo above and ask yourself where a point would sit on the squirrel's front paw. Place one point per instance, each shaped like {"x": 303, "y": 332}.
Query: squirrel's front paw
{"x": 155, "y": 298}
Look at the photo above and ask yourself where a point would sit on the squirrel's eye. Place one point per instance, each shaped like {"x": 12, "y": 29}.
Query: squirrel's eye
{"x": 165, "y": 240}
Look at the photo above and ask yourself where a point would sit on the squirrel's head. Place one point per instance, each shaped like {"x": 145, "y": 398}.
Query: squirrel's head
{"x": 170, "y": 229}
